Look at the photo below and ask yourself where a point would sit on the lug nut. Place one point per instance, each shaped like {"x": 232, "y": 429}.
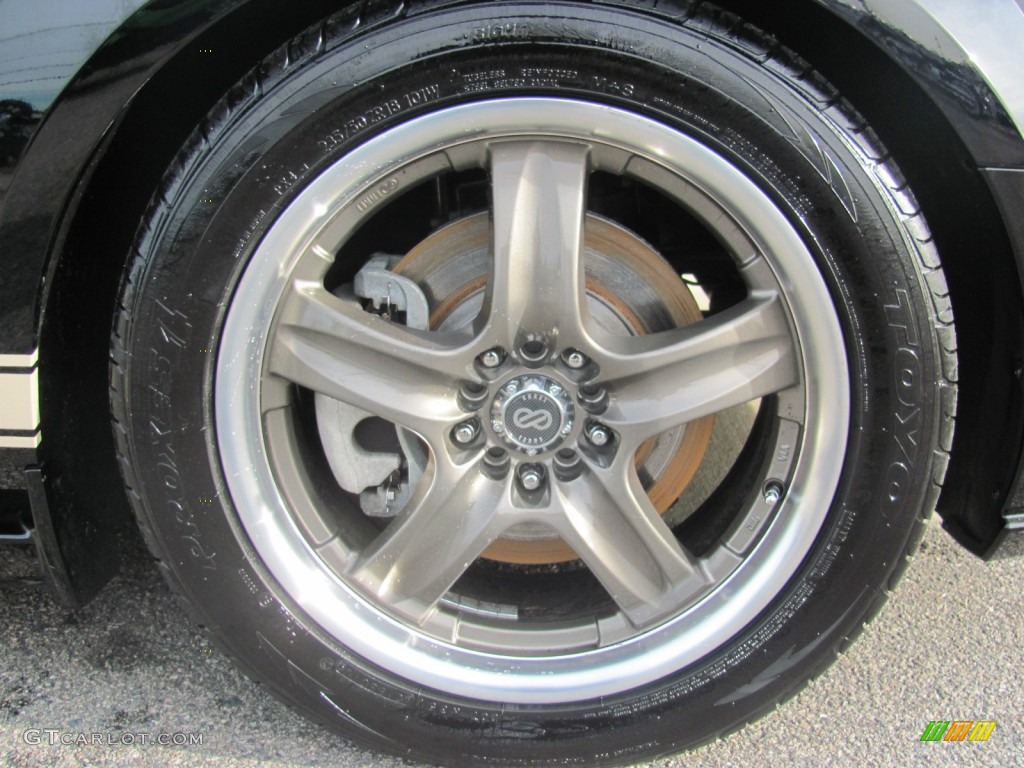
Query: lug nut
{"x": 593, "y": 398}
{"x": 466, "y": 432}
{"x": 533, "y": 351}
{"x": 567, "y": 464}
{"x": 496, "y": 463}
{"x": 531, "y": 476}
{"x": 773, "y": 491}
{"x": 574, "y": 358}
{"x": 599, "y": 435}
{"x": 472, "y": 396}
{"x": 492, "y": 358}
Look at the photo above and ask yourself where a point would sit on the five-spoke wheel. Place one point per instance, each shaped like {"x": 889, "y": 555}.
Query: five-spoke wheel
{"x": 527, "y": 409}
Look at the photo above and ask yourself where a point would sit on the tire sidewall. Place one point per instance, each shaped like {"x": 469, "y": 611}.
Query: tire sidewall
{"x": 197, "y": 250}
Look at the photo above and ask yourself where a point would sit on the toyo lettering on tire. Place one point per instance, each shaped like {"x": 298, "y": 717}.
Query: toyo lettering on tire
{"x": 564, "y": 383}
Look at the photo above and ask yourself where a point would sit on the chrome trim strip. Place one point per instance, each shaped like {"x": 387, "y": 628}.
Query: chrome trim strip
{"x": 19, "y": 400}
{"x": 20, "y": 361}
{"x": 11, "y": 441}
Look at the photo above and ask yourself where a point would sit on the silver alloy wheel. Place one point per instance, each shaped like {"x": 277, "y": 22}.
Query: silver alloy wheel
{"x": 385, "y": 595}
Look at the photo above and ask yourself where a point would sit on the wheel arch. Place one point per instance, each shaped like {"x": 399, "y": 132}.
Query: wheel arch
{"x": 81, "y": 255}
{"x": 951, "y": 136}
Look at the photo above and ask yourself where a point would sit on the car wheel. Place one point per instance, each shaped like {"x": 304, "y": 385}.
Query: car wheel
{"x": 564, "y": 383}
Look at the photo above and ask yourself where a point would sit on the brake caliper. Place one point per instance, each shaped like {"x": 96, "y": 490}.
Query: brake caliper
{"x": 384, "y": 480}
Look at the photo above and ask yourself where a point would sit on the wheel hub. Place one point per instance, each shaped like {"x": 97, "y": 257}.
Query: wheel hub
{"x": 532, "y": 414}
{"x": 631, "y": 290}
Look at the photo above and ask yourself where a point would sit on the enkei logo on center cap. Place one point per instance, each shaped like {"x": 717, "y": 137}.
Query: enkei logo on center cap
{"x": 532, "y": 413}
{"x": 527, "y": 418}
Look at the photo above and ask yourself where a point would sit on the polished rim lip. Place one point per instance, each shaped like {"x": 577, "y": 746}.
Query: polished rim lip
{"x": 360, "y": 626}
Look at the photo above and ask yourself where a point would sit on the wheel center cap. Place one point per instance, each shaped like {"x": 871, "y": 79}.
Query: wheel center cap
{"x": 532, "y": 413}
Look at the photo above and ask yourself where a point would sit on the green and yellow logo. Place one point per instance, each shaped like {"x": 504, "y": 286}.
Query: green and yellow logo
{"x": 958, "y": 730}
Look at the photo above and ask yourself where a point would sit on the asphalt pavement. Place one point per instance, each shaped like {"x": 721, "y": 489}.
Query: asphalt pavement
{"x": 131, "y": 673}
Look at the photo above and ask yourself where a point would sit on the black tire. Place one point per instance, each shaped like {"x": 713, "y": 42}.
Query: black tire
{"x": 705, "y": 77}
